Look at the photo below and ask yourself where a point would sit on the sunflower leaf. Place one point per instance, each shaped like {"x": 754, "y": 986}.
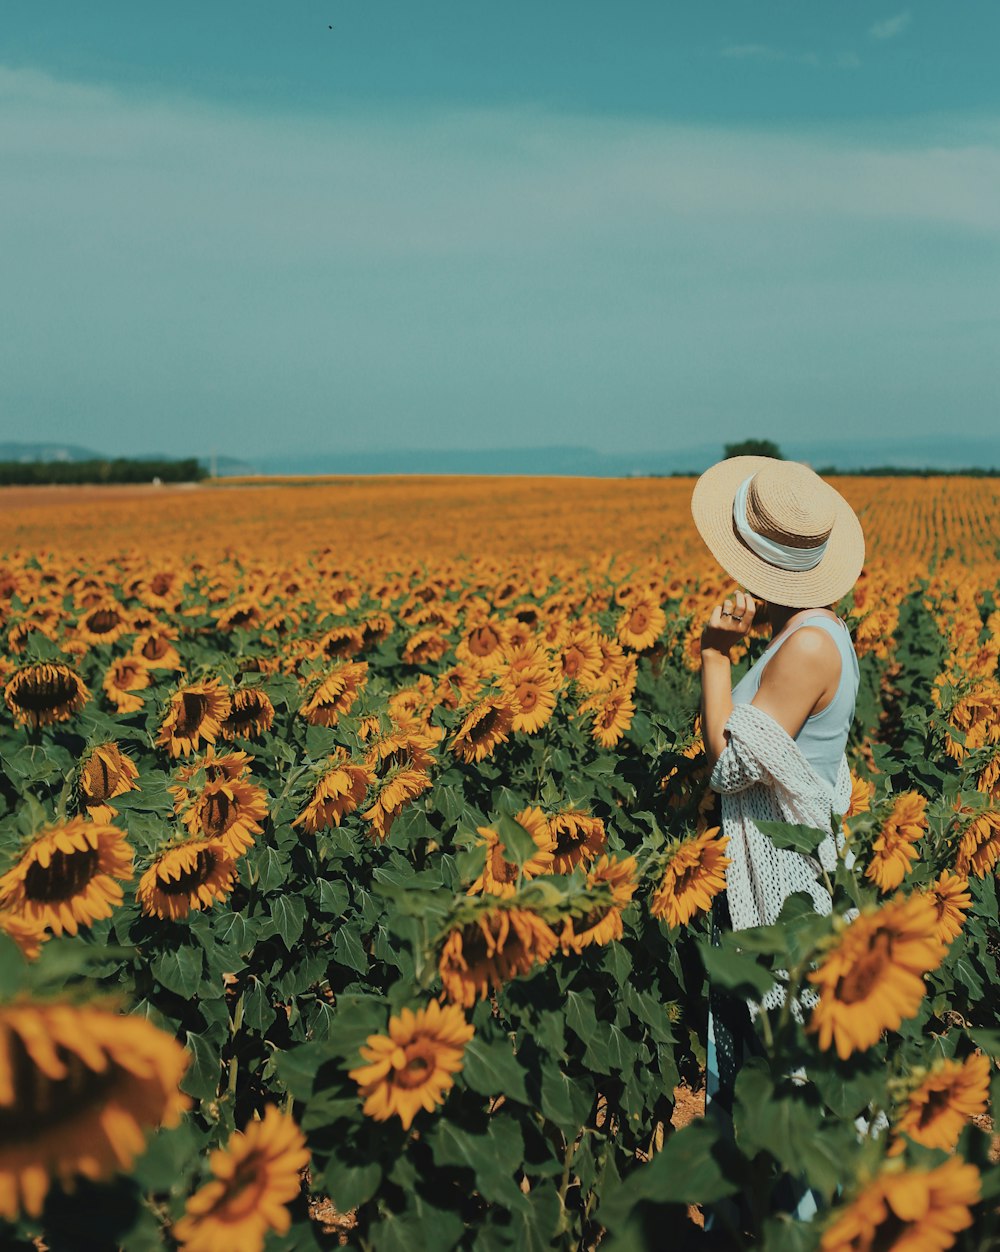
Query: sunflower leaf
{"x": 517, "y": 843}
{"x": 793, "y": 835}
{"x": 492, "y": 1069}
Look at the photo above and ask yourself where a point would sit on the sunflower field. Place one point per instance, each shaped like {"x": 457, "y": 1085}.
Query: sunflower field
{"x": 356, "y": 863}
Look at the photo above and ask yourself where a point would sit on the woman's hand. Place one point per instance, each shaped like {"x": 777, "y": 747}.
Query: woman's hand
{"x": 730, "y": 622}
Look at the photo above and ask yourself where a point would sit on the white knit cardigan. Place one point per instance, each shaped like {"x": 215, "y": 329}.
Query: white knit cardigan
{"x": 763, "y": 776}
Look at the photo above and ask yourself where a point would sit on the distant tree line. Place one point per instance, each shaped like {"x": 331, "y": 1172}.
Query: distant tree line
{"x": 119, "y": 470}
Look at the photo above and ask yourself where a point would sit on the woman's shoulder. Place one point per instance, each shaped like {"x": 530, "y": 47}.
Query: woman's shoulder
{"x": 807, "y": 647}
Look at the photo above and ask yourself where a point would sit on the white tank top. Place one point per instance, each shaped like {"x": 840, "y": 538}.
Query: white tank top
{"x": 823, "y": 738}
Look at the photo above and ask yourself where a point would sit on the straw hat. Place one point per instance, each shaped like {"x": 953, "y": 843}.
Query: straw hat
{"x": 779, "y": 530}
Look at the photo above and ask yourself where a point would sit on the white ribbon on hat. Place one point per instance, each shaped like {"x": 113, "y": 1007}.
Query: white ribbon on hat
{"x": 779, "y": 554}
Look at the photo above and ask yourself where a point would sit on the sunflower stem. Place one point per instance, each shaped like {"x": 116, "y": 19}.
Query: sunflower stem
{"x": 765, "y": 1023}
{"x": 234, "y": 1029}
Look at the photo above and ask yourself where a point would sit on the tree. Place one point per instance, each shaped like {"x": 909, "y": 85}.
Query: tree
{"x": 754, "y": 447}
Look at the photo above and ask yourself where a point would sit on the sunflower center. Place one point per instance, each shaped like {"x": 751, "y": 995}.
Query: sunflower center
{"x": 161, "y": 583}
{"x": 39, "y": 692}
{"x": 194, "y": 707}
{"x": 571, "y": 662}
{"x": 858, "y": 984}
{"x": 483, "y": 641}
{"x": 103, "y": 621}
{"x": 65, "y": 876}
{"x": 567, "y": 841}
{"x": 503, "y": 871}
{"x": 244, "y": 1189}
{"x": 189, "y": 879}
{"x": 638, "y": 621}
{"x": 486, "y": 725}
{"x": 937, "y": 1102}
{"x": 527, "y": 697}
{"x": 418, "y": 1067}
{"x": 42, "y": 1103}
{"x": 592, "y": 919}
{"x": 685, "y": 878}
{"x": 219, "y": 813}
{"x": 245, "y": 713}
{"x": 608, "y": 714}
{"x": 100, "y": 782}
{"x": 154, "y": 648}
{"x": 242, "y": 617}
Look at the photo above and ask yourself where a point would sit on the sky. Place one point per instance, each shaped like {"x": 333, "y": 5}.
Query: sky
{"x": 318, "y": 226}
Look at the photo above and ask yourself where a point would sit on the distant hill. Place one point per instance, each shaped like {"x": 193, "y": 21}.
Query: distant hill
{"x": 585, "y": 462}
{"x": 565, "y": 459}
{"x": 46, "y": 452}
{"x": 226, "y": 466}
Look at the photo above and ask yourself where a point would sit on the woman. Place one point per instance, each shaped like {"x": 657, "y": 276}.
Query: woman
{"x": 777, "y": 740}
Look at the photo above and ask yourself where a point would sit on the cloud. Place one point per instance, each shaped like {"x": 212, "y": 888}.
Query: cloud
{"x": 416, "y": 274}
{"x": 891, "y": 26}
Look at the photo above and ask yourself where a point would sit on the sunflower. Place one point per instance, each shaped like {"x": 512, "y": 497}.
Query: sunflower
{"x": 694, "y": 874}
{"x": 69, "y": 875}
{"x": 104, "y": 623}
{"x": 487, "y": 724}
{"x": 404, "y": 747}
{"x": 580, "y": 658}
{"x": 414, "y": 702}
{"x": 907, "y": 1209}
{"x": 603, "y": 923}
{"x": 457, "y": 686}
{"x": 341, "y": 641}
{"x": 426, "y": 646}
{"x": 979, "y": 848}
{"x": 155, "y": 648}
{"x": 339, "y": 792}
{"x": 42, "y": 693}
{"x": 862, "y": 793}
{"x": 613, "y": 712}
{"x": 251, "y": 714}
{"x": 27, "y": 934}
{"x": 214, "y": 766}
{"x": 411, "y": 1067}
{"x": 482, "y": 645}
{"x": 230, "y": 810}
{"x": 195, "y": 712}
{"x": 193, "y": 875}
{"x": 532, "y": 690}
{"x": 941, "y": 1101}
{"x": 500, "y": 876}
{"x": 579, "y": 837}
{"x": 257, "y": 1174}
{"x": 79, "y": 1087}
{"x": 893, "y": 850}
{"x": 873, "y": 976}
{"x": 122, "y": 679}
{"x": 951, "y": 898}
{"x": 499, "y": 945}
{"x": 398, "y": 790}
{"x": 334, "y": 693}
{"x": 243, "y": 614}
{"x": 641, "y": 624}
{"x": 105, "y": 772}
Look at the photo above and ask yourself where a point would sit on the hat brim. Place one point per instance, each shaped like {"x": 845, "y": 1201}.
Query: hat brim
{"x": 836, "y": 573}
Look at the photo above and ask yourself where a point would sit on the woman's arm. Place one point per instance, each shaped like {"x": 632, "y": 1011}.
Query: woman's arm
{"x": 729, "y": 622}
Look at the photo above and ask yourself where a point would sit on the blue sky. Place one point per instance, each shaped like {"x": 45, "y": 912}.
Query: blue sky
{"x": 628, "y": 226}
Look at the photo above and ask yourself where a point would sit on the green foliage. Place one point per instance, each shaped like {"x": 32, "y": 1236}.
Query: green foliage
{"x": 753, "y": 447}
{"x": 557, "y": 1130}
